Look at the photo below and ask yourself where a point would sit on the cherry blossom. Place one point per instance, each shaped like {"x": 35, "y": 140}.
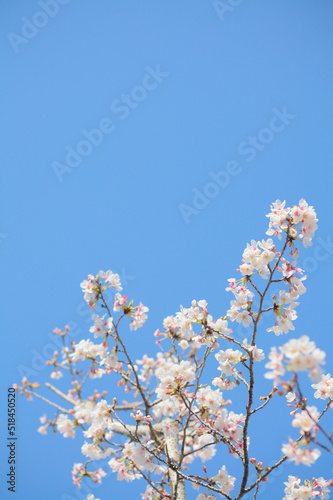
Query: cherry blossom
{"x": 324, "y": 388}
{"x": 139, "y": 316}
{"x": 297, "y": 355}
{"x": 227, "y": 361}
{"x": 257, "y": 354}
{"x": 87, "y": 288}
{"x": 306, "y": 419}
{"x": 112, "y": 279}
{"x": 300, "y": 454}
{"x": 65, "y": 426}
{"x": 226, "y": 482}
{"x": 100, "y": 325}
{"x": 209, "y": 398}
{"x": 294, "y": 490}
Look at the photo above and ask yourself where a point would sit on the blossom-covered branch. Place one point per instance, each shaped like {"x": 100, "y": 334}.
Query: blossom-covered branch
{"x": 173, "y": 416}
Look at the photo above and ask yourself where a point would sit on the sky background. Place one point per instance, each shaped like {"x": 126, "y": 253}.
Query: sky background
{"x": 136, "y": 202}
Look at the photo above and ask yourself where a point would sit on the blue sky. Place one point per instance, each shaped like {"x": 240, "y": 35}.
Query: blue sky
{"x": 180, "y": 93}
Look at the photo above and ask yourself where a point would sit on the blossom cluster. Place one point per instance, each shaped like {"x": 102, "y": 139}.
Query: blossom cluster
{"x": 256, "y": 257}
{"x": 181, "y": 327}
{"x": 317, "y": 488}
{"x": 298, "y": 222}
{"x": 296, "y": 355}
{"x": 93, "y": 289}
{"x": 224, "y": 480}
{"x": 79, "y": 472}
{"x": 303, "y": 217}
{"x": 135, "y": 457}
{"x": 300, "y": 355}
{"x": 87, "y": 350}
{"x": 240, "y": 308}
{"x": 301, "y": 452}
{"x": 324, "y": 388}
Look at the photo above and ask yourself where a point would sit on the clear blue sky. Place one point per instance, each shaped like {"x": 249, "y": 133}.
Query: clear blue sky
{"x": 203, "y": 96}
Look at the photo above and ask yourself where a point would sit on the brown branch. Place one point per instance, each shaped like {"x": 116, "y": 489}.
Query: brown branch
{"x": 59, "y": 393}
{"x": 251, "y": 384}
